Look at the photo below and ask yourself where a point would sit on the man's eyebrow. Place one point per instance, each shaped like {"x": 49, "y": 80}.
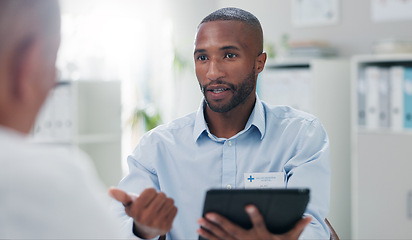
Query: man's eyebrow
{"x": 199, "y": 51}
{"x": 229, "y": 48}
{"x": 222, "y": 48}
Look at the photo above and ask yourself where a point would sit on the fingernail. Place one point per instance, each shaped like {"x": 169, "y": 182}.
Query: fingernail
{"x": 110, "y": 194}
{"x": 200, "y": 221}
{"x": 211, "y": 217}
{"x": 250, "y": 210}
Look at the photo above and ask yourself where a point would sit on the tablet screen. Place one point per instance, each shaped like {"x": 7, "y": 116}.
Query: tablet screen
{"x": 281, "y": 208}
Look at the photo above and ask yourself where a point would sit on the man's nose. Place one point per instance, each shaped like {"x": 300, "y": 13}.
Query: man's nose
{"x": 214, "y": 71}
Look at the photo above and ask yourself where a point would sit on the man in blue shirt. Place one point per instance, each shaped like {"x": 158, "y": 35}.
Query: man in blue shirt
{"x": 231, "y": 137}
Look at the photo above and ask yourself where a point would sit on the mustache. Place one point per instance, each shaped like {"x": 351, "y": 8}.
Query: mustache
{"x": 204, "y": 87}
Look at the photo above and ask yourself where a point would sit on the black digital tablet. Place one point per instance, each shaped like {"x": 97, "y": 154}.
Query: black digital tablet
{"x": 281, "y": 208}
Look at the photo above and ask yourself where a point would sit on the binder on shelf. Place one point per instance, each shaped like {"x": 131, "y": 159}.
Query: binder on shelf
{"x": 396, "y": 96}
{"x": 361, "y": 89}
{"x": 372, "y": 76}
{"x": 55, "y": 121}
{"x": 43, "y": 126}
{"x": 384, "y": 97}
{"x": 63, "y": 112}
{"x": 407, "y": 97}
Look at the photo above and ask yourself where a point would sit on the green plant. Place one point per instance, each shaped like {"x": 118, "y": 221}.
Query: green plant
{"x": 179, "y": 62}
{"x": 151, "y": 118}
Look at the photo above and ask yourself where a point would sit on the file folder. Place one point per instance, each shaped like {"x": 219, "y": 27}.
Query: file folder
{"x": 396, "y": 96}
{"x": 361, "y": 85}
{"x": 384, "y": 94}
{"x": 372, "y": 76}
{"x": 407, "y": 102}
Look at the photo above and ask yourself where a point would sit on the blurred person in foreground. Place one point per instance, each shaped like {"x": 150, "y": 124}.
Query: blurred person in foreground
{"x": 232, "y": 136}
{"x": 45, "y": 192}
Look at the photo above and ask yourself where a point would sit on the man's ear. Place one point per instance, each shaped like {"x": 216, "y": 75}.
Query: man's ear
{"x": 23, "y": 66}
{"x": 260, "y": 62}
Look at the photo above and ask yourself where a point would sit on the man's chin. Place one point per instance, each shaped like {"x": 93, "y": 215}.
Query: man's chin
{"x": 219, "y": 108}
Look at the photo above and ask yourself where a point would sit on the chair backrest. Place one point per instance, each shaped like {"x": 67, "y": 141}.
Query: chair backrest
{"x": 333, "y": 234}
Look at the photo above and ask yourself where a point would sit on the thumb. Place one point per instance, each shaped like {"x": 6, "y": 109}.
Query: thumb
{"x": 120, "y": 196}
{"x": 300, "y": 226}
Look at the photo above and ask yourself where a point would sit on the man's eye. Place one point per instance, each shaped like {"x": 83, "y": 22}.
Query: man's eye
{"x": 230, "y": 55}
{"x": 202, "y": 58}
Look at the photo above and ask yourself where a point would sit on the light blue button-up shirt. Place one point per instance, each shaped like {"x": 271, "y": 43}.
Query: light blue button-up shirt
{"x": 184, "y": 160}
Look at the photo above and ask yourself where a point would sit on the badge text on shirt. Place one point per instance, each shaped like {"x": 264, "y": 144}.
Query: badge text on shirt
{"x": 264, "y": 180}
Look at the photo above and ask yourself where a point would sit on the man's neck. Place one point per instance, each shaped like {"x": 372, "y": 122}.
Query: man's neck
{"x": 16, "y": 118}
{"x": 228, "y": 124}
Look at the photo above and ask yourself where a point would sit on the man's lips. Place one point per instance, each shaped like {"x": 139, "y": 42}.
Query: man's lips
{"x": 218, "y": 90}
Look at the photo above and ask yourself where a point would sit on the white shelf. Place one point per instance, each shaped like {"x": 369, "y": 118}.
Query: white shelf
{"x": 98, "y": 138}
{"x": 80, "y": 139}
{"x": 362, "y": 130}
{"x": 329, "y": 88}
{"x": 379, "y": 58}
{"x": 287, "y": 62}
{"x": 381, "y": 164}
{"x": 85, "y": 114}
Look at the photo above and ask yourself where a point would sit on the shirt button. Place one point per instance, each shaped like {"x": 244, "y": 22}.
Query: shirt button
{"x": 229, "y": 143}
{"x": 228, "y": 186}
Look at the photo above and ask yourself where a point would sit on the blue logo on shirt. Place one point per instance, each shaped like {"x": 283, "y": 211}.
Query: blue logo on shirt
{"x": 250, "y": 178}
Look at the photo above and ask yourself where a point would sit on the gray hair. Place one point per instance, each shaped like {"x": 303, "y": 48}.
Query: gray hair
{"x": 21, "y": 20}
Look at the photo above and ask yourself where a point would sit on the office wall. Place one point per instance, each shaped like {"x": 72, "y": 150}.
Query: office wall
{"x": 185, "y": 16}
{"x": 354, "y": 33}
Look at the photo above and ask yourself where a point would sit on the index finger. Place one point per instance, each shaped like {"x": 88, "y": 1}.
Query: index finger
{"x": 146, "y": 198}
{"x": 230, "y": 229}
{"x": 300, "y": 226}
{"x": 120, "y": 196}
{"x": 257, "y": 220}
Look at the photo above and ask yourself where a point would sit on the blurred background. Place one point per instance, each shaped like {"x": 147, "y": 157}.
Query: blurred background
{"x": 126, "y": 66}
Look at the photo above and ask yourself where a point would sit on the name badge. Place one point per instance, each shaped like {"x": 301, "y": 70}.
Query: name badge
{"x": 264, "y": 180}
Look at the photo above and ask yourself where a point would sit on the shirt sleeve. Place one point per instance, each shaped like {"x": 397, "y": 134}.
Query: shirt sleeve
{"x": 141, "y": 175}
{"x": 310, "y": 168}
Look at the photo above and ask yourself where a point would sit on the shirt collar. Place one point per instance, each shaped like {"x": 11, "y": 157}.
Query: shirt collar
{"x": 257, "y": 119}
{"x": 9, "y": 134}
{"x": 200, "y": 123}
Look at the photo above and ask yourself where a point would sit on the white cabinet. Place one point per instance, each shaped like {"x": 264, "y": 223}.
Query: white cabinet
{"x": 381, "y": 151}
{"x": 85, "y": 114}
{"x": 321, "y": 87}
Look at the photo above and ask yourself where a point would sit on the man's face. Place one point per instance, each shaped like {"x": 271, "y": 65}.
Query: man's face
{"x": 225, "y": 64}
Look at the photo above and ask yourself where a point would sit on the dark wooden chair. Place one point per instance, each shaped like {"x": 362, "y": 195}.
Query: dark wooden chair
{"x": 333, "y": 234}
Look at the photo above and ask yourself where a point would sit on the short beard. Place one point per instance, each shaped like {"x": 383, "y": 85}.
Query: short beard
{"x": 241, "y": 92}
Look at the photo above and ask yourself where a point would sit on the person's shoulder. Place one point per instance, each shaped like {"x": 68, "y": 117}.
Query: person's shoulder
{"x": 46, "y": 162}
{"x": 59, "y": 154}
{"x": 286, "y": 112}
{"x": 180, "y": 125}
{"x": 60, "y": 181}
{"x": 40, "y": 169}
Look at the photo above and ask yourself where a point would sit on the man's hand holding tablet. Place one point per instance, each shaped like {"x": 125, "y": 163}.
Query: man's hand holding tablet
{"x": 254, "y": 214}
